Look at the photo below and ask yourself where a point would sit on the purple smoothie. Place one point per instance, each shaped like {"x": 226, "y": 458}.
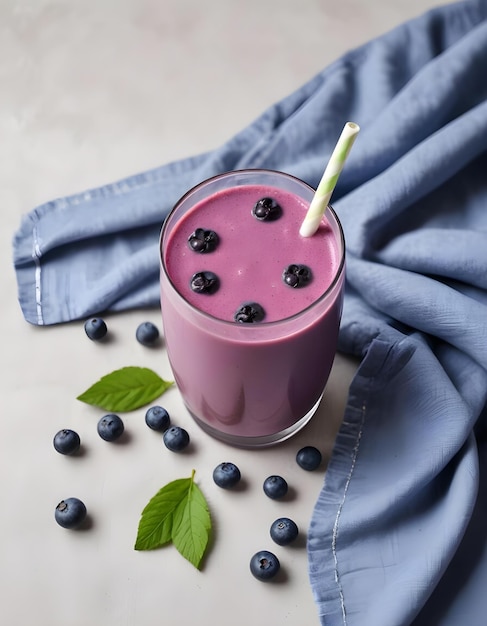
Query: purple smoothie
{"x": 251, "y": 383}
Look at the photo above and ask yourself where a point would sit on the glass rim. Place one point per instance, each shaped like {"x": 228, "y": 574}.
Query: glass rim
{"x": 263, "y": 324}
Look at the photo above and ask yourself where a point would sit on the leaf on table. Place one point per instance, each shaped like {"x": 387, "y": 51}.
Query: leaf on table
{"x": 125, "y": 389}
{"x": 178, "y": 513}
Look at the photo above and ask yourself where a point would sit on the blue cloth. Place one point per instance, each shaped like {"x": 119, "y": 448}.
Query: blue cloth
{"x": 398, "y": 535}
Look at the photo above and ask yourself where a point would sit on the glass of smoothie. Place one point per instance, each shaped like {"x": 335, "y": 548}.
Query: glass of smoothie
{"x": 251, "y": 310}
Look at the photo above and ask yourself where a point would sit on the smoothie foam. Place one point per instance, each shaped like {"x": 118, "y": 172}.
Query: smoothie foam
{"x": 251, "y": 254}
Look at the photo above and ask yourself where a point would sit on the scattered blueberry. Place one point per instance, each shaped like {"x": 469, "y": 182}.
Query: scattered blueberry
{"x": 203, "y": 240}
{"x": 266, "y": 209}
{"x": 226, "y": 475}
{"x": 95, "y": 328}
{"x": 157, "y": 418}
{"x": 70, "y": 513}
{"x": 66, "y": 441}
{"x": 284, "y": 531}
{"x": 309, "y": 458}
{"x": 204, "y": 282}
{"x": 296, "y": 275}
{"x": 147, "y": 334}
{"x": 249, "y": 313}
{"x": 110, "y": 427}
{"x": 275, "y": 487}
{"x": 264, "y": 565}
{"x": 176, "y": 438}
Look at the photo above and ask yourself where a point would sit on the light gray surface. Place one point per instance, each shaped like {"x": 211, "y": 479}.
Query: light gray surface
{"x": 91, "y": 92}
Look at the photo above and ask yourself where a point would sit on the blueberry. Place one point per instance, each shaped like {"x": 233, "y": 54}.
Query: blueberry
{"x": 204, "y": 282}
{"x": 66, "y": 441}
{"x": 275, "y": 487}
{"x": 309, "y": 458}
{"x": 70, "y": 513}
{"x": 266, "y": 209}
{"x": 203, "y": 240}
{"x": 110, "y": 427}
{"x": 147, "y": 334}
{"x": 95, "y": 328}
{"x": 264, "y": 565}
{"x": 226, "y": 475}
{"x": 283, "y": 531}
{"x": 296, "y": 275}
{"x": 176, "y": 438}
{"x": 249, "y": 313}
{"x": 157, "y": 418}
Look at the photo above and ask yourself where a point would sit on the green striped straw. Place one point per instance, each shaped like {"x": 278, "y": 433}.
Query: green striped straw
{"x": 329, "y": 179}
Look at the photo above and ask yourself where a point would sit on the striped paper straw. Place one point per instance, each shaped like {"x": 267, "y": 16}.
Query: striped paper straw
{"x": 329, "y": 179}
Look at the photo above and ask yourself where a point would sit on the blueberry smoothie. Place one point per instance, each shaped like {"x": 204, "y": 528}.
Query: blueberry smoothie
{"x": 251, "y": 309}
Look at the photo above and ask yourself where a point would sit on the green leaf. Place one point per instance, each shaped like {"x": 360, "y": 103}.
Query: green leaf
{"x": 178, "y": 513}
{"x": 125, "y": 389}
{"x": 191, "y": 525}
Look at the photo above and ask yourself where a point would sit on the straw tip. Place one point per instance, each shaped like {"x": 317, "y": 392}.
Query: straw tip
{"x": 353, "y": 126}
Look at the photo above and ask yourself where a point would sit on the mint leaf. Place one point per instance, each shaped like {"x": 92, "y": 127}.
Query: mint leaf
{"x": 125, "y": 389}
{"x": 191, "y": 525}
{"x": 178, "y": 513}
{"x": 155, "y": 527}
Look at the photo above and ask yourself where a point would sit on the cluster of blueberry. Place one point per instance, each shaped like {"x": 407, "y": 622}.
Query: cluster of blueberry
{"x": 175, "y": 438}
{"x": 264, "y": 564}
{"x": 71, "y": 512}
{"x": 203, "y": 241}
{"x": 147, "y": 333}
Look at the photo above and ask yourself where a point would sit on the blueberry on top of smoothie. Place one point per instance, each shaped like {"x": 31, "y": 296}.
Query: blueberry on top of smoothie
{"x": 266, "y": 209}
{"x": 204, "y": 282}
{"x": 203, "y": 240}
{"x": 249, "y": 313}
{"x": 296, "y": 275}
